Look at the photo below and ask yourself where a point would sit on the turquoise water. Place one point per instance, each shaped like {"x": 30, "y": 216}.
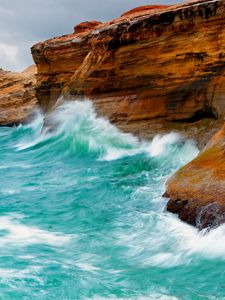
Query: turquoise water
{"x": 82, "y": 217}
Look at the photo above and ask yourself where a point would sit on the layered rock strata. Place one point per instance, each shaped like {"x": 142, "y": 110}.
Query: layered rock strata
{"x": 151, "y": 70}
{"x": 17, "y": 96}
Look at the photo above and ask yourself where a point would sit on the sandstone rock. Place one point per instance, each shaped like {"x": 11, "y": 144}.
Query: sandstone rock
{"x": 197, "y": 191}
{"x": 147, "y": 71}
{"x": 86, "y": 26}
{"x": 144, "y": 9}
{"x": 17, "y": 96}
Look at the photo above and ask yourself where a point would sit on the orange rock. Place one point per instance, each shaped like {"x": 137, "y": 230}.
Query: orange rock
{"x": 144, "y": 9}
{"x": 149, "y": 68}
{"x": 197, "y": 191}
{"x": 17, "y": 96}
{"x": 86, "y": 26}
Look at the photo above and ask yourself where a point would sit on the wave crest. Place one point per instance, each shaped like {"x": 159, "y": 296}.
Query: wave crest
{"x": 75, "y": 128}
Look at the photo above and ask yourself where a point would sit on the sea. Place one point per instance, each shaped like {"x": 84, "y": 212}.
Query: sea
{"x": 82, "y": 214}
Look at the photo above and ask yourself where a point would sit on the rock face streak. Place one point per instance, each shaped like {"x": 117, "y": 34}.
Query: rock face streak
{"x": 17, "y": 96}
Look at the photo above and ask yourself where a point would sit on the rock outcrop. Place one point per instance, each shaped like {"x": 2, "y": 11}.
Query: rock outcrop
{"x": 17, "y": 96}
{"x": 86, "y": 26}
{"x": 151, "y": 70}
{"x": 197, "y": 191}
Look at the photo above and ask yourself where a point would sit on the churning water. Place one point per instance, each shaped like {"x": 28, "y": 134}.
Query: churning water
{"x": 82, "y": 217}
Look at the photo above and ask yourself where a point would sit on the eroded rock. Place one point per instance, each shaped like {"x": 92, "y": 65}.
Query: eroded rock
{"x": 197, "y": 191}
{"x": 17, "y": 96}
{"x": 86, "y": 26}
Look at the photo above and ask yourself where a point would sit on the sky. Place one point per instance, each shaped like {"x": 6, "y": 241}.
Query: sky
{"x": 26, "y": 22}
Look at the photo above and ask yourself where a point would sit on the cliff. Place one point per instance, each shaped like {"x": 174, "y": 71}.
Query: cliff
{"x": 17, "y": 96}
{"x": 154, "y": 69}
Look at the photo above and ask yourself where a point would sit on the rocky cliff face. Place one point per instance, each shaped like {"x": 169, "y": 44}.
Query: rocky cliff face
{"x": 197, "y": 191}
{"x": 154, "y": 69}
{"x": 17, "y": 96}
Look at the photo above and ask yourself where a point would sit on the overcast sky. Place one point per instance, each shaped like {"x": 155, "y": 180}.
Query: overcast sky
{"x": 25, "y": 22}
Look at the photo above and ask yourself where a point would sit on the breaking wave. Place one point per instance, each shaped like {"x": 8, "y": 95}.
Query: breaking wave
{"x": 74, "y": 129}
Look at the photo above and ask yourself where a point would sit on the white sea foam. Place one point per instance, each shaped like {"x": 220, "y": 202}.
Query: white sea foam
{"x": 14, "y": 273}
{"x": 159, "y": 143}
{"x": 210, "y": 244}
{"x": 15, "y": 278}
{"x": 36, "y": 122}
{"x": 78, "y": 123}
{"x": 9, "y": 191}
{"x": 87, "y": 267}
{"x": 79, "y": 119}
{"x": 171, "y": 242}
{"x": 20, "y": 234}
{"x": 35, "y": 126}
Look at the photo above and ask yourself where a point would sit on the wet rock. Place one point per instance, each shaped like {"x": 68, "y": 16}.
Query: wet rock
{"x": 210, "y": 216}
{"x": 197, "y": 191}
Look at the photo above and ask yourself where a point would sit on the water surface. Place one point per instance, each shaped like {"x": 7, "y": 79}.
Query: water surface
{"x": 82, "y": 217}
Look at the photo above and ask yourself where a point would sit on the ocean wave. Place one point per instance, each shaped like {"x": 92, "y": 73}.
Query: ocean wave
{"x": 74, "y": 128}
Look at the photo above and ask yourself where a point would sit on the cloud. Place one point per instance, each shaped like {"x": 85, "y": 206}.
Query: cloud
{"x": 9, "y": 54}
{"x": 25, "y": 22}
